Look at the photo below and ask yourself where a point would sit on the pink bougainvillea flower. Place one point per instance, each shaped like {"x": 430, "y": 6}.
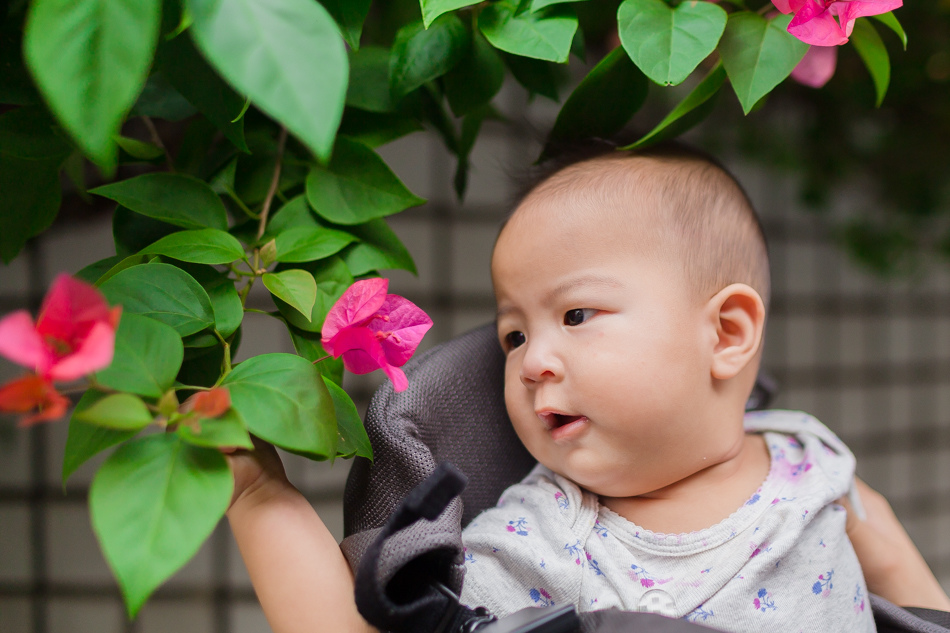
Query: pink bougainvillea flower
{"x": 817, "y": 66}
{"x": 32, "y": 393}
{"x": 374, "y": 330}
{"x": 73, "y": 336}
{"x": 814, "y": 22}
{"x": 208, "y": 404}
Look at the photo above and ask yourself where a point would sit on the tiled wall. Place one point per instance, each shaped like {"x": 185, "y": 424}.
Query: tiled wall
{"x": 871, "y": 359}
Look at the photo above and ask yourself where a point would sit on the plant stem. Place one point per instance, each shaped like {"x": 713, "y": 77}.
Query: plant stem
{"x": 226, "y": 363}
{"x": 321, "y": 358}
{"x": 241, "y": 205}
{"x": 275, "y": 181}
{"x": 153, "y": 132}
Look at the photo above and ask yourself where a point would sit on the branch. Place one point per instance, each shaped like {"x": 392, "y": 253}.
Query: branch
{"x": 275, "y": 180}
{"x": 157, "y": 140}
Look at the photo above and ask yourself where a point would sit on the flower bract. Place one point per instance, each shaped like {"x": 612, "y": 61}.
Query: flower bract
{"x": 830, "y": 22}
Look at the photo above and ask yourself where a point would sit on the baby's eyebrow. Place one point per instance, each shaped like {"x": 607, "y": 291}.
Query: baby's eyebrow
{"x": 590, "y": 279}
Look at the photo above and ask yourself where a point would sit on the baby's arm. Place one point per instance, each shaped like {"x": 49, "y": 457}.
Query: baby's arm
{"x": 302, "y": 580}
{"x": 892, "y": 565}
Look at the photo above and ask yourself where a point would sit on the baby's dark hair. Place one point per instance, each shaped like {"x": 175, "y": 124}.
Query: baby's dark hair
{"x": 698, "y": 208}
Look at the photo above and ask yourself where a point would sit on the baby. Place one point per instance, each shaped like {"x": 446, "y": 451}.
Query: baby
{"x": 632, "y": 293}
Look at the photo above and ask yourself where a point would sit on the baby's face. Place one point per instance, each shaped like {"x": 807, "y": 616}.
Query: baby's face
{"x": 607, "y": 366}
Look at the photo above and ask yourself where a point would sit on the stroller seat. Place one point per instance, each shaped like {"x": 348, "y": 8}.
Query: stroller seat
{"x": 454, "y": 411}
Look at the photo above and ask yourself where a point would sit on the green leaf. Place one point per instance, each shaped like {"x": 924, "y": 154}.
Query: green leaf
{"x": 537, "y": 5}
{"x": 471, "y": 126}
{"x": 294, "y": 214}
{"x": 139, "y": 149}
{"x": 284, "y": 401}
{"x": 191, "y": 75}
{"x": 369, "y": 80}
{"x": 119, "y": 266}
{"x": 545, "y": 34}
{"x": 224, "y": 430}
{"x": 422, "y": 54}
{"x": 431, "y": 9}
{"x": 690, "y": 111}
{"x": 332, "y": 278}
{"x": 226, "y": 303}
{"x": 202, "y": 246}
{"x": 476, "y": 79}
{"x": 285, "y": 55}
{"x": 872, "y": 51}
{"x": 374, "y": 129}
{"x": 133, "y": 232}
{"x": 161, "y": 100}
{"x": 308, "y": 345}
{"x": 378, "y": 249}
{"x": 119, "y": 411}
{"x": 90, "y": 59}
{"x": 29, "y": 203}
{"x": 604, "y": 101}
{"x": 357, "y": 186}
{"x": 31, "y": 133}
{"x": 890, "y": 21}
{"x": 87, "y": 440}
{"x": 349, "y": 15}
{"x": 91, "y": 273}
{"x": 538, "y": 77}
{"x": 353, "y": 439}
{"x": 666, "y": 43}
{"x": 173, "y": 198}
{"x": 309, "y": 244}
{"x": 295, "y": 287}
{"x": 153, "y": 503}
{"x": 164, "y": 293}
{"x": 148, "y": 355}
{"x": 758, "y": 54}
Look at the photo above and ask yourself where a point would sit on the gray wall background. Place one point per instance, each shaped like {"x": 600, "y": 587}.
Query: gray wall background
{"x": 868, "y": 357}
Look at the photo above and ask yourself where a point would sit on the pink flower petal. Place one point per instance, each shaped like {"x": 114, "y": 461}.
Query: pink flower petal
{"x": 400, "y": 382}
{"x": 817, "y": 66}
{"x": 788, "y": 6}
{"x": 70, "y": 310}
{"x": 406, "y": 326}
{"x": 363, "y": 353}
{"x": 358, "y": 303}
{"x": 32, "y": 392}
{"x": 20, "y": 342}
{"x": 813, "y": 24}
{"x": 850, "y": 10}
{"x": 94, "y": 353}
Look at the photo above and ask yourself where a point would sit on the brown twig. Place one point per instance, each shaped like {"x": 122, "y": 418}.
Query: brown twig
{"x": 275, "y": 180}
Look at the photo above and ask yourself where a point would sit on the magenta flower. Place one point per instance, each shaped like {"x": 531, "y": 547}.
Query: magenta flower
{"x": 73, "y": 336}
{"x": 814, "y": 22}
{"x": 817, "y": 66}
{"x": 374, "y": 330}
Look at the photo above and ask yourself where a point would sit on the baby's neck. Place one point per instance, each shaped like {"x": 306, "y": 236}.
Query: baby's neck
{"x": 704, "y": 498}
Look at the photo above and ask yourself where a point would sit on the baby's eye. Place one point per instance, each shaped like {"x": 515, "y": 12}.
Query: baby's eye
{"x": 578, "y": 316}
{"x": 513, "y": 340}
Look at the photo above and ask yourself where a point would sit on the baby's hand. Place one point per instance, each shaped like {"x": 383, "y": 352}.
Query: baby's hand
{"x": 892, "y": 565}
{"x": 256, "y": 470}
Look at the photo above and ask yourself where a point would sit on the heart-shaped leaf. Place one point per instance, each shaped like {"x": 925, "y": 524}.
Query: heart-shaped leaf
{"x": 153, "y": 503}
{"x": 284, "y": 401}
{"x": 332, "y": 278}
{"x": 422, "y": 54}
{"x": 164, "y": 293}
{"x": 306, "y": 244}
{"x": 86, "y": 440}
{"x": 357, "y": 186}
{"x": 369, "y": 80}
{"x": 285, "y": 55}
{"x": 353, "y": 439}
{"x": 871, "y": 48}
{"x": 758, "y": 54}
{"x": 295, "y": 287}
{"x": 545, "y": 34}
{"x": 119, "y": 411}
{"x": 604, "y": 101}
{"x": 379, "y": 248}
{"x": 148, "y": 355}
{"x": 173, "y": 198}
{"x": 201, "y": 246}
{"x": 476, "y": 79}
{"x": 666, "y": 43}
{"x": 90, "y": 59}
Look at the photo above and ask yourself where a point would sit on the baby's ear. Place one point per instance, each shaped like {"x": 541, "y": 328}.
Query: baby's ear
{"x": 738, "y": 316}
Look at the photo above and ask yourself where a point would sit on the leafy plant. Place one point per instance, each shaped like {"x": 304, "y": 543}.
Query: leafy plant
{"x": 237, "y": 139}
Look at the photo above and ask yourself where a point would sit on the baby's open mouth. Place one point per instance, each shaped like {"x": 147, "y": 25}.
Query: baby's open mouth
{"x": 557, "y": 420}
